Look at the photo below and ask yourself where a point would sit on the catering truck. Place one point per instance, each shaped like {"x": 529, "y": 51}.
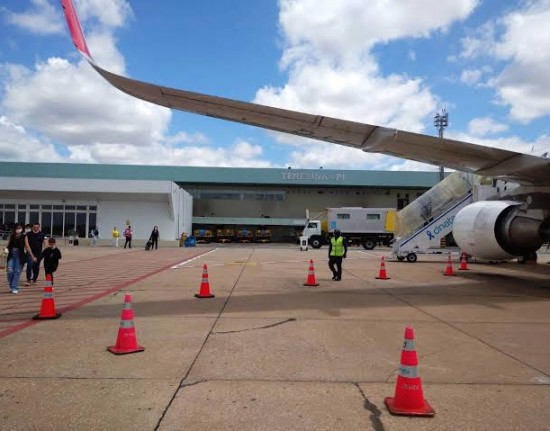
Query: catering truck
{"x": 365, "y": 226}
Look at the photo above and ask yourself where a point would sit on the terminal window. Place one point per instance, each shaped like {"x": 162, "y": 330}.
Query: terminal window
{"x": 56, "y": 220}
{"x": 373, "y": 216}
{"x": 343, "y": 216}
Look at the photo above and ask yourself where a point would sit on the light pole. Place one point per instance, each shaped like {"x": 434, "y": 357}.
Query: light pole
{"x": 441, "y": 121}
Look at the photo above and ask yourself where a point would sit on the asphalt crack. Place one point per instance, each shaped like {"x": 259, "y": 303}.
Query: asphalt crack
{"x": 255, "y": 329}
{"x": 374, "y": 411}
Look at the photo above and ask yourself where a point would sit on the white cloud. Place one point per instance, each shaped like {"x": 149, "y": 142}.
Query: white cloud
{"x": 41, "y": 18}
{"x": 95, "y": 123}
{"x": 17, "y": 145}
{"x": 411, "y": 165}
{"x": 109, "y": 13}
{"x": 332, "y": 72}
{"x": 512, "y": 143}
{"x": 186, "y": 138}
{"x": 71, "y": 104}
{"x": 346, "y": 29}
{"x": 240, "y": 154}
{"x": 412, "y": 55}
{"x": 485, "y": 125}
{"x": 471, "y": 76}
{"x": 519, "y": 39}
{"x": 480, "y": 43}
{"x": 524, "y": 83}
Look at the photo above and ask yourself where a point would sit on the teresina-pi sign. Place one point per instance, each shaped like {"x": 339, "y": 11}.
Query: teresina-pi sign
{"x": 313, "y": 176}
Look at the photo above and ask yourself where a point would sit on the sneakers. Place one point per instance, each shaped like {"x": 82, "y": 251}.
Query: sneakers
{"x": 334, "y": 277}
{"x": 338, "y": 279}
{"x": 15, "y": 291}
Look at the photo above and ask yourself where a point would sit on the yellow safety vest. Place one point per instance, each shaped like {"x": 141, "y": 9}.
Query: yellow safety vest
{"x": 337, "y": 246}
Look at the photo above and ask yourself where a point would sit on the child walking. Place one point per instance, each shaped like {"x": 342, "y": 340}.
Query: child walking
{"x": 51, "y": 256}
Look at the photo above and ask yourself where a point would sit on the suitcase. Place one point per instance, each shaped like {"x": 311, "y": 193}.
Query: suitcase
{"x": 148, "y": 245}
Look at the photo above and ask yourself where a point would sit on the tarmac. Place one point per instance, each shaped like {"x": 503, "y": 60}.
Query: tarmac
{"x": 268, "y": 353}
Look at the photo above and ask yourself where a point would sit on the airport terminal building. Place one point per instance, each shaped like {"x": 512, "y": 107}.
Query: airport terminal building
{"x": 63, "y": 196}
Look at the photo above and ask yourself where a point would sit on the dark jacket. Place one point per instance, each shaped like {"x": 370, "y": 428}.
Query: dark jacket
{"x": 154, "y": 235}
{"x": 18, "y": 243}
{"x": 51, "y": 257}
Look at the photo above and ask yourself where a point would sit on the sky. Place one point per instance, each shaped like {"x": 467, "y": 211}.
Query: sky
{"x": 392, "y": 63}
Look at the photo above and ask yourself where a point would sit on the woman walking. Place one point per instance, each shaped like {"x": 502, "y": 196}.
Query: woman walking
{"x": 154, "y": 238}
{"x": 16, "y": 257}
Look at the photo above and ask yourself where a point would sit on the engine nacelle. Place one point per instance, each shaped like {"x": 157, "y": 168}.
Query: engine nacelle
{"x": 496, "y": 230}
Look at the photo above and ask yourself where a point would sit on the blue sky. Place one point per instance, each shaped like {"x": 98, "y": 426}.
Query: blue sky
{"x": 379, "y": 62}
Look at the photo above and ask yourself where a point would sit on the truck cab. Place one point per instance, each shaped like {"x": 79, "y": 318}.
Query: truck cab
{"x": 314, "y": 232}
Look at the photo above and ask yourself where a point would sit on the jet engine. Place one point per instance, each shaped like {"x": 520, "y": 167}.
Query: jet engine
{"x": 496, "y": 230}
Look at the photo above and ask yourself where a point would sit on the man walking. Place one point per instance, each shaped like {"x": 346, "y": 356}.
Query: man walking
{"x": 95, "y": 236}
{"x": 337, "y": 250}
{"x": 35, "y": 240}
{"x": 128, "y": 233}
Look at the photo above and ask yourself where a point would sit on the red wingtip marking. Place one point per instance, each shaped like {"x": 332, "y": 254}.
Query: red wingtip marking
{"x": 74, "y": 27}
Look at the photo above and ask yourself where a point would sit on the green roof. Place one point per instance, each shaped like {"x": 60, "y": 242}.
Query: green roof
{"x": 214, "y": 175}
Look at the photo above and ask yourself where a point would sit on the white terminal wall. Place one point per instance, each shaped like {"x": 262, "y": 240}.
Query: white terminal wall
{"x": 144, "y": 203}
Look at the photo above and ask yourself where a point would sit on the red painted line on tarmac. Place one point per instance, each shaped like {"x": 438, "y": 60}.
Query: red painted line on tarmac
{"x": 16, "y": 328}
{"x": 92, "y": 298}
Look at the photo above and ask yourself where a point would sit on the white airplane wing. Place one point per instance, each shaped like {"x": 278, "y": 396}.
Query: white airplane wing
{"x": 463, "y": 156}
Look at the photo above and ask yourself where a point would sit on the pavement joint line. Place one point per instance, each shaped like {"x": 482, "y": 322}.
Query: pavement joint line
{"x": 244, "y": 266}
{"x": 12, "y": 329}
{"x": 373, "y": 382}
{"x": 83, "y": 378}
{"x": 192, "y": 259}
{"x": 186, "y": 385}
{"x": 450, "y": 325}
{"x": 373, "y": 409}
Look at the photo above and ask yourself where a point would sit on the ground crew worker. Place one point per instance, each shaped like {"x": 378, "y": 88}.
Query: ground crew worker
{"x": 337, "y": 250}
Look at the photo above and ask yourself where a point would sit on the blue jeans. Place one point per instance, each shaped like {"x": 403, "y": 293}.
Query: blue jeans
{"x": 14, "y": 270}
{"x": 33, "y": 268}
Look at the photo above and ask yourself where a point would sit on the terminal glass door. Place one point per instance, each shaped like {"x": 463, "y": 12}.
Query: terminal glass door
{"x": 69, "y": 222}
{"x": 47, "y": 223}
{"x": 57, "y": 224}
{"x": 34, "y": 217}
{"x": 81, "y": 225}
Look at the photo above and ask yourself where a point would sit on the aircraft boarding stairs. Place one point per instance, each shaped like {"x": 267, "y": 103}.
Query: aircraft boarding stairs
{"x": 422, "y": 224}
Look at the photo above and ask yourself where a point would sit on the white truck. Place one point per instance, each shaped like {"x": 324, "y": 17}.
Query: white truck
{"x": 366, "y": 226}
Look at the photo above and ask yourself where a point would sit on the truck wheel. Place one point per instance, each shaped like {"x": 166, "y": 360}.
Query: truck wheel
{"x": 411, "y": 257}
{"x": 316, "y": 242}
{"x": 400, "y": 258}
{"x": 369, "y": 244}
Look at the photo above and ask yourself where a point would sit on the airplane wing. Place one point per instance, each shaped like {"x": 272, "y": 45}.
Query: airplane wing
{"x": 463, "y": 156}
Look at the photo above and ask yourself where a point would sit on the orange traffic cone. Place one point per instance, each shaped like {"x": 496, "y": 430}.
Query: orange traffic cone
{"x": 205, "y": 285}
{"x": 449, "y": 271}
{"x": 311, "y": 276}
{"x": 382, "y": 274}
{"x": 409, "y": 397}
{"x": 463, "y": 263}
{"x": 126, "y": 341}
{"x": 47, "y": 308}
